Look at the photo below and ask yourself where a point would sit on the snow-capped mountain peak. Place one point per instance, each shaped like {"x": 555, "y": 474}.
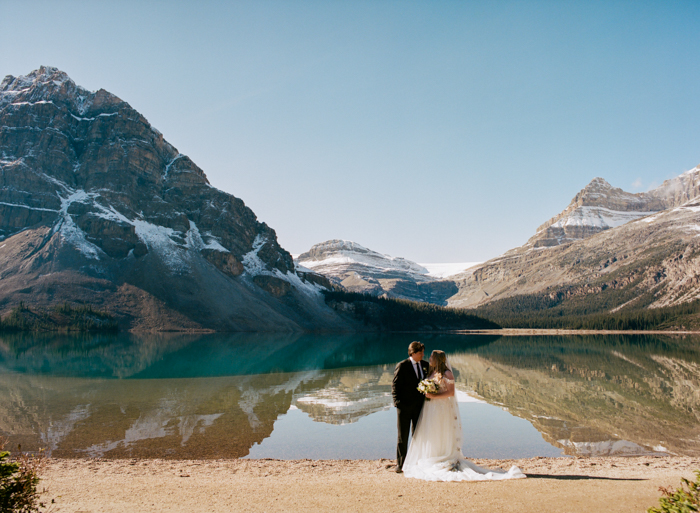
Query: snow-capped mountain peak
{"x": 599, "y": 206}
{"x": 96, "y": 204}
{"x": 344, "y": 252}
{"x": 360, "y": 269}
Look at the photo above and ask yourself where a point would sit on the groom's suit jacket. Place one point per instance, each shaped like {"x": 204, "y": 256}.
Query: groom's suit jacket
{"x": 404, "y": 388}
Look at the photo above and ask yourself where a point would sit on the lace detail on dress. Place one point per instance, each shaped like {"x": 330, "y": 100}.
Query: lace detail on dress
{"x": 443, "y": 383}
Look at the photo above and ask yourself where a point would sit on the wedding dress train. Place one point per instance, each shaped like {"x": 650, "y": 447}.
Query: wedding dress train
{"x": 435, "y": 453}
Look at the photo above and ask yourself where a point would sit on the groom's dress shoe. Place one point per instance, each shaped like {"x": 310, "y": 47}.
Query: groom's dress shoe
{"x": 398, "y": 470}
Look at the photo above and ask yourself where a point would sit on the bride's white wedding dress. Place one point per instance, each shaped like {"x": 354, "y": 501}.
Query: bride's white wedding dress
{"x": 435, "y": 453}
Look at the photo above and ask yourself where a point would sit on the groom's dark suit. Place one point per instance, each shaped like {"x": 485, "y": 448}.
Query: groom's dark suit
{"x": 408, "y": 401}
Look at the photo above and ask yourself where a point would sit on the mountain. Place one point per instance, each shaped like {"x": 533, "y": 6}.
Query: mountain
{"x": 652, "y": 260}
{"x": 97, "y": 207}
{"x": 600, "y": 206}
{"x": 358, "y": 269}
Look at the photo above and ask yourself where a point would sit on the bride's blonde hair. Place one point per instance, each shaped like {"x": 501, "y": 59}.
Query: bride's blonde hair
{"x": 440, "y": 362}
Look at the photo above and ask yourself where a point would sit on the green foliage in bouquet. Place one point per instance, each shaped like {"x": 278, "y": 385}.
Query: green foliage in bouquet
{"x": 685, "y": 499}
{"x": 18, "y": 482}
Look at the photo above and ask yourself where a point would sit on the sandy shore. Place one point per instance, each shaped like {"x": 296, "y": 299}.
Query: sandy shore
{"x": 553, "y": 484}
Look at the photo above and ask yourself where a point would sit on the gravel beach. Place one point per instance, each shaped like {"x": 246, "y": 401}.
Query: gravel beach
{"x": 610, "y": 484}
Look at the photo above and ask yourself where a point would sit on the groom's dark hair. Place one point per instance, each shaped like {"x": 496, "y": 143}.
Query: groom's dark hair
{"x": 415, "y": 347}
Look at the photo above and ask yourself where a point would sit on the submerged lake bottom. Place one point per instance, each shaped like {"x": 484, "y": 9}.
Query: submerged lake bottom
{"x": 329, "y": 397}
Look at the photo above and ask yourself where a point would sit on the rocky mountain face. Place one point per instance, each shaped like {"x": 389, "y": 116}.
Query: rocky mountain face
{"x": 651, "y": 260}
{"x": 96, "y": 206}
{"x": 359, "y": 269}
{"x": 600, "y": 206}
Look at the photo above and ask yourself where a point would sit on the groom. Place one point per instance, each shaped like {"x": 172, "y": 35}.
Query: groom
{"x": 407, "y": 399}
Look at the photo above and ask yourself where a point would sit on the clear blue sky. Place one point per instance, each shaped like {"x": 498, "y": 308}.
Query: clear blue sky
{"x": 440, "y": 131}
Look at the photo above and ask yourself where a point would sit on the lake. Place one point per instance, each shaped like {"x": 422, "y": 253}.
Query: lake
{"x": 329, "y": 396}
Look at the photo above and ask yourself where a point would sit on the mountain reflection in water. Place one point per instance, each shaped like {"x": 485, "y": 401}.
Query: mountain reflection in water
{"x": 216, "y": 396}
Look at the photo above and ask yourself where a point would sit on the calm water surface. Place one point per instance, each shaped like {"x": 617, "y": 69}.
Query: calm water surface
{"x": 304, "y": 396}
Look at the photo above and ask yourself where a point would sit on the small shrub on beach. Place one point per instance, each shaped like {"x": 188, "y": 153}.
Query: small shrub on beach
{"x": 685, "y": 499}
{"x": 18, "y": 482}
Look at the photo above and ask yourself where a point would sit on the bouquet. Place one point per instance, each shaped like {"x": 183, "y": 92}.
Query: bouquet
{"x": 428, "y": 386}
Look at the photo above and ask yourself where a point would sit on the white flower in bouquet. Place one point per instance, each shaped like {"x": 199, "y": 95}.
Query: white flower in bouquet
{"x": 428, "y": 386}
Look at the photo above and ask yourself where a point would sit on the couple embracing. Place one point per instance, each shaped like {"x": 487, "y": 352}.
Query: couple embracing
{"x": 435, "y": 453}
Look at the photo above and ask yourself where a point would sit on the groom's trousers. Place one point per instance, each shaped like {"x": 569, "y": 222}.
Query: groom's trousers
{"x": 405, "y": 419}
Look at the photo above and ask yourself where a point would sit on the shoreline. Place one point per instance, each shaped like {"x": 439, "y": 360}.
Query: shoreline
{"x": 508, "y": 332}
{"x": 501, "y": 331}
{"x": 612, "y": 484}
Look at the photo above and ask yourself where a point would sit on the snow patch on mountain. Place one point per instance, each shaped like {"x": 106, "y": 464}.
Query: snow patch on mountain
{"x": 28, "y": 207}
{"x": 159, "y": 238}
{"x": 194, "y": 240}
{"x": 382, "y": 264}
{"x": 70, "y": 232}
{"x": 92, "y": 119}
{"x": 251, "y": 261}
{"x": 170, "y": 164}
{"x": 599, "y": 217}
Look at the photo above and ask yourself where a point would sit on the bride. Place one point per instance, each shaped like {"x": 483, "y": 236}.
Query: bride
{"x": 435, "y": 453}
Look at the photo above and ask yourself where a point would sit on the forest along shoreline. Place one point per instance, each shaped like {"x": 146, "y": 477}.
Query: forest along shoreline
{"x": 368, "y": 313}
